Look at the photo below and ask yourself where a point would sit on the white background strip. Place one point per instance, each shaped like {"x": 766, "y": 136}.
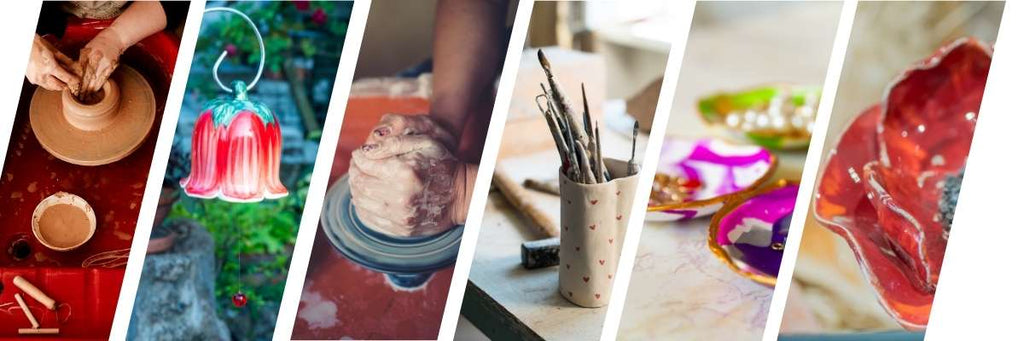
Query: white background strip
{"x": 807, "y": 180}
{"x": 643, "y": 189}
{"x": 499, "y": 114}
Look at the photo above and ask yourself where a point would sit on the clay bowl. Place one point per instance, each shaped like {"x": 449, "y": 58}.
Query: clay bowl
{"x": 884, "y": 185}
{"x": 789, "y": 129}
{"x": 721, "y": 170}
{"x": 749, "y": 234}
{"x": 63, "y": 222}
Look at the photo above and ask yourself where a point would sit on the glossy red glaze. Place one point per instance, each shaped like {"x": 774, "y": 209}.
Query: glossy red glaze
{"x": 239, "y": 299}
{"x": 881, "y": 186}
{"x": 114, "y": 191}
{"x": 367, "y": 306}
{"x": 238, "y": 162}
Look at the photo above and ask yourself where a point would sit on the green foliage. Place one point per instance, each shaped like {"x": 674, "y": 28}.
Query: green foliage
{"x": 280, "y": 23}
{"x": 251, "y": 240}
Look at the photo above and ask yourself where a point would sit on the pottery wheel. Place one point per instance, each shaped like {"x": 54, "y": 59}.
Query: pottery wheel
{"x": 389, "y": 254}
{"x": 123, "y": 136}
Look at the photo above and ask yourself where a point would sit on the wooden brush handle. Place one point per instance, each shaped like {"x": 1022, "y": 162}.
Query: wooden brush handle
{"x": 517, "y": 196}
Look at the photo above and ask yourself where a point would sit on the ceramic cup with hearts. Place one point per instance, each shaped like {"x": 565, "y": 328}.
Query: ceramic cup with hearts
{"x": 594, "y": 218}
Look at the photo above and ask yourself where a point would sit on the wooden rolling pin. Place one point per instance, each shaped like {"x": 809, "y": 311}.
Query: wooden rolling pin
{"x": 518, "y": 197}
{"x": 24, "y": 308}
{"x": 35, "y": 293}
{"x": 38, "y": 331}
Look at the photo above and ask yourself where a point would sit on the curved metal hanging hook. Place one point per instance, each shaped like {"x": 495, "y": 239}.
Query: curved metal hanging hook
{"x": 259, "y": 39}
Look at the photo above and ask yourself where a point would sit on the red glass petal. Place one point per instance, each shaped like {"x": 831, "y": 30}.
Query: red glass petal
{"x": 204, "y": 179}
{"x": 243, "y": 177}
{"x": 274, "y": 187}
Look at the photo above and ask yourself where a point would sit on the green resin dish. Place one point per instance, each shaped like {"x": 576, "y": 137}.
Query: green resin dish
{"x": 778, "y": 116}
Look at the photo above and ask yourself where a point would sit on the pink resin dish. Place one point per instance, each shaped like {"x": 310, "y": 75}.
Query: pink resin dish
{"x": 889, "y": 186}
{"x": 749, "y": 234}
{"x": 705, "y": 173}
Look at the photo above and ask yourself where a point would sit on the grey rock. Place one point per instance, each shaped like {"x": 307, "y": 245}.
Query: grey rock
{"x": 175, "y": 299}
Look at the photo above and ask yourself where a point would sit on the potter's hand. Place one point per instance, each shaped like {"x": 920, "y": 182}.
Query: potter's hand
{"x": 49, "y": 68}
{"x": 392, "y": 125}
{"x": 410, "y": 185}
{"x": 99, "y": 58}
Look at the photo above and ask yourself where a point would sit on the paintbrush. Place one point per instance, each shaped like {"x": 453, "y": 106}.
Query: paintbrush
{"x": 556, "y": 135}
{"x": 588, "y": 172}
{"x": 562, "y": 136}
{"x": 560, "y": 100}
{"x": 631, "y": 166}
{"x": 588, "y": 124}
{"x": 602, "y": 171}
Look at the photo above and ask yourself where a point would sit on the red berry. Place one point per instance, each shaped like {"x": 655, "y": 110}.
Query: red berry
{"x": 231, "y": 49}
{"x": 319, "y": 17}
{"x": 239, "y": 299}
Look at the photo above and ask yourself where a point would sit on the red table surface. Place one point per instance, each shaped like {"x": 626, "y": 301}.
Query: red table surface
{"x": 367, "y": 306}
{"x": 77, "y": 288}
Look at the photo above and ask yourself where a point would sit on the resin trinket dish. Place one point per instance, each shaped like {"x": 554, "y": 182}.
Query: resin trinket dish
{"x": 779, "y": 116}
{"x": 93, "y": 134}
{"x": 695, "y": 178}
{"x": 408, "y": 262}
{"x": 884, "y": 185}
{"x": 749, "y": 234}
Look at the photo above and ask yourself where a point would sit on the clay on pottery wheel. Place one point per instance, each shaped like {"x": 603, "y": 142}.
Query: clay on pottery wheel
{"x": 93, "y": 134}
{"x": 63, "y": 221}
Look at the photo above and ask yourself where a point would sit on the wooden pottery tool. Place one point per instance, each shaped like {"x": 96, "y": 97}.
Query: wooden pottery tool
{"x": 549, "y": 187}
{"x": 38, "y": 331}
{"x": 28, "y": 313}
{"x": 35, "y": 293}
{"x": 517, "y": 196}
{"x": 95, "y": 133}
